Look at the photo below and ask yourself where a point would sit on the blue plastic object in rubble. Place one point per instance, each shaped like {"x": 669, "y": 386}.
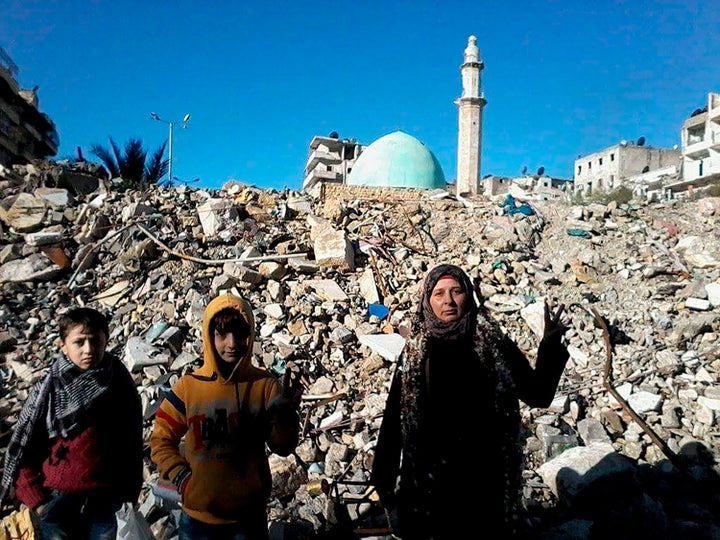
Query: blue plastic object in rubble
{"x": 579, "y": 232}
{"x": 509, "y": 207}
{"x": 379, "y": 310}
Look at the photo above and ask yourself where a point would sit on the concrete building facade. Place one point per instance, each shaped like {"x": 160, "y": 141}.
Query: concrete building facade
{"x": 25, "y": 132}
{"x": 612, "y": 167}
{"x": 650, "y": 185}
{"x": 538, "y": 187}
{"x": 331, "y": 160}
{"x": 700, "y": 137}
{"x": 470, "y": 109}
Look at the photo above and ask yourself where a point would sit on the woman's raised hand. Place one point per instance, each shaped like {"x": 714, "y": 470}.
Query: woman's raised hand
{"x": 554, "y": 326}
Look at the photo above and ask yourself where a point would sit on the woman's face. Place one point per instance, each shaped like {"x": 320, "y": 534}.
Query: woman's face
{"x": 448, "y": 300}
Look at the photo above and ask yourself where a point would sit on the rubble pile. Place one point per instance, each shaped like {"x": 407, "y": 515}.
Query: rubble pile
{"x": 629, "y": 446}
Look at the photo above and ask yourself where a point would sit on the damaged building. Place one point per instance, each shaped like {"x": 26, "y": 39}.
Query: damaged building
{"x": 330, "y": 160}
{"x": 659, "y": 173}
{"x": 616, "y": 165}
{"x": 536, "y": 187}
{"x": 26, "y": 133}
{"x": 700, "y": 137}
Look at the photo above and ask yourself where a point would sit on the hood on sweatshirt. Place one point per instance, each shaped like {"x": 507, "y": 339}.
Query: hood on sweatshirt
{"x": 243, "y": 369}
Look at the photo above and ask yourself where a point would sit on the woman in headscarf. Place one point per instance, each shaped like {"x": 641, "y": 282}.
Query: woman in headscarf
{"x": 452, "y": 415}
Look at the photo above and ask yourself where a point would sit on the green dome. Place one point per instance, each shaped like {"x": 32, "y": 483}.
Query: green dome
{"x": 397, "y": 160}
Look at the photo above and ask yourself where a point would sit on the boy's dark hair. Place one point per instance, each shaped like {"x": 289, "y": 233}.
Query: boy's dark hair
{"x": 90, "y": 318}
{"x": 229, "y": 320}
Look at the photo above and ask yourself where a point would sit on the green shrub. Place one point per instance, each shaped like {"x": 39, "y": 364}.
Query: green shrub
{"x": 578, "y": 198}
{"x": 713, "y": 191}
{"x": 620, "y": 195}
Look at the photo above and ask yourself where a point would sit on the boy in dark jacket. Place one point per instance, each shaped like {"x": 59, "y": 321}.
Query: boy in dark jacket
{"x": 76, "y": 453}
{"x": 227, "y": 411}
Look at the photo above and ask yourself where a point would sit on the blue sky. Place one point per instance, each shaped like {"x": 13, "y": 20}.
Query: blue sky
{"x": 261, "y": 78}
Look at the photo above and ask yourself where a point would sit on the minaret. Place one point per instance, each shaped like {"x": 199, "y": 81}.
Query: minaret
{"x": 470, "y": 106}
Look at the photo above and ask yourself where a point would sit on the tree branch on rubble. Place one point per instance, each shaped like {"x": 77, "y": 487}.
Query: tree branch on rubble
{"x": 164, "y": 247}
{"x": 608, "y": 383}
{"x": 379, "y": 277}
{"x": 82, "y": 265}
{"x": 420, "y": 230}
{"x": 417, "y": 232}
{"x": 216, "y": 262}
{"x": 674, "y": 256}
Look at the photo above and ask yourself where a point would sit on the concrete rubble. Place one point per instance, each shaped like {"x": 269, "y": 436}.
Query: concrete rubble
{"x": 333, "y": 283}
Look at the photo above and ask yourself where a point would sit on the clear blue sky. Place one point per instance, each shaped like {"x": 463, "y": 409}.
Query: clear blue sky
{"x": 261, "y": 78}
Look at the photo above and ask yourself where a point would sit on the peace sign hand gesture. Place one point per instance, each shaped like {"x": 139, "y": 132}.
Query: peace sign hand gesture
{"x": 292, "y": 387}
{"x": 554, "y": 327}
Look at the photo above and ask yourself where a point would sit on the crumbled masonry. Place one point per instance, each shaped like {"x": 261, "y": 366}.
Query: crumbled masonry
{"x": 332, "y": 281}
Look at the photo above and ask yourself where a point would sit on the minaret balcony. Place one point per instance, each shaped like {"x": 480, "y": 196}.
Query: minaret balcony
{"x": 471, "y": 100}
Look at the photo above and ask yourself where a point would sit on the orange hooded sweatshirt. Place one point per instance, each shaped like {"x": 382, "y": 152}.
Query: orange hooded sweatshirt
{"x": 224, "y": 472}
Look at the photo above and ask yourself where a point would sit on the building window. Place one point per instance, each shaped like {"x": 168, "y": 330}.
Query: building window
{"x": 579, "y": 169}
{"x": 612, "y": 180}
{"x": 695, "y": 134}
{"x": 589, "y": 165}
{"x": 612, "y": 157}
{"x": 329, "y": 167}
{"x": 600, "y": 161}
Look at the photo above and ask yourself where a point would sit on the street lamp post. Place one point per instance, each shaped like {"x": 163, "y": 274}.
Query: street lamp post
{"x": 184, "y": 122}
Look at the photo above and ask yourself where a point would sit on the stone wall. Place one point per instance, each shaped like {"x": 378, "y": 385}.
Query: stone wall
{"x": 345, "y": 192}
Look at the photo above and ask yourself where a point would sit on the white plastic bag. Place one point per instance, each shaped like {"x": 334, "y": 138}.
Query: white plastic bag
{"x": 131, "y": 524}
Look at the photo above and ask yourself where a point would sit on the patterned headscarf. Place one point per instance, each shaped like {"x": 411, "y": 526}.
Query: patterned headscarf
{"x": 486, "y": 342}
{"x": 463, "y": 327}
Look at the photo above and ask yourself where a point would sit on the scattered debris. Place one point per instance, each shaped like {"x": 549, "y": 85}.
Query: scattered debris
{"x": 333, "y": 284}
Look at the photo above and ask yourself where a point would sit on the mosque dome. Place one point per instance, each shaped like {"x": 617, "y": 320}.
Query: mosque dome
{"x": 397, "y": 160}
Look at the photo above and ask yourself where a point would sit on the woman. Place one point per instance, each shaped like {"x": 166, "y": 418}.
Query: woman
{"x": 453, "y": 415}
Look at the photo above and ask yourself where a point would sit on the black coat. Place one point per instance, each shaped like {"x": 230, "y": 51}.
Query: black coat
{"x": 458, "y": 400}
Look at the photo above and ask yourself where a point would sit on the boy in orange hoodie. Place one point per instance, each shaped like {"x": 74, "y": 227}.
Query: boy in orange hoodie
{"x": 227, "y": 411}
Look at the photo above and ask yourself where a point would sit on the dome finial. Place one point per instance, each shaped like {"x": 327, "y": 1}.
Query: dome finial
{"x": 472, "y": 53}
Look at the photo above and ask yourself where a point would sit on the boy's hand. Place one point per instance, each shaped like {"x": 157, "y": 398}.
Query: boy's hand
{"x": 40, "y": 509}
{"x": 292, "y": 387}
